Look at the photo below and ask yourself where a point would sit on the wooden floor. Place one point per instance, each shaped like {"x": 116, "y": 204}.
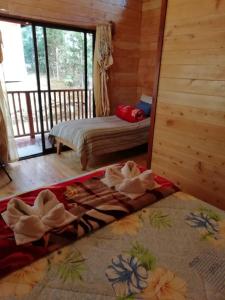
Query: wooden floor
{"x": 41, "y": 171}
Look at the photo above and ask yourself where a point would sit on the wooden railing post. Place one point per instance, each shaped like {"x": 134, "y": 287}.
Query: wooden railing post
{"x": 30, "y": 115}
{"x": 63, "y": 101}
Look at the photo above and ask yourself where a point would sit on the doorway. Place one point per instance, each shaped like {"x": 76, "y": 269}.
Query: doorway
{"x": 48, "y": 75}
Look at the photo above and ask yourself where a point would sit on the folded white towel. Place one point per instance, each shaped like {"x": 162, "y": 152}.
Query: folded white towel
{"x": 130, "y": 170}
{"x": 113, "y": 176}
{"x": 131, "y": 187}
{"x": 57, "y": 217}
{"x": 16, "y": 208}
{"x": 147, "y": 179}
{"x": 28, "y": 229}
{"x": 30, "y": 223}
{"x": 128, "y": 180}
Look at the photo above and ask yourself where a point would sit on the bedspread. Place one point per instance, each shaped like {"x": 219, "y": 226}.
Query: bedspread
{"x": 102, "y": 135}
{"x": 171, "y": 250}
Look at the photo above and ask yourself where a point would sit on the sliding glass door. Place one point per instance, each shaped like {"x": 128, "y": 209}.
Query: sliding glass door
{"x": 56, "y": 85}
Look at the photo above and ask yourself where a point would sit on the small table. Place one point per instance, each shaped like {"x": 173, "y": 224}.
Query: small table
{"x": 2, "y": 166}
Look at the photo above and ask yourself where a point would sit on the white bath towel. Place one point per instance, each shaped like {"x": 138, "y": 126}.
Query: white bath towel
{"x": 147, "y": 179}
{"x": 30, "y": 223}
{"x": 28, "y": 229}
{"x": 130, "y": 170}
{"x": 131, "y": 187}
{"x": 128, "y": 180}
{"x": 113, "y": 176}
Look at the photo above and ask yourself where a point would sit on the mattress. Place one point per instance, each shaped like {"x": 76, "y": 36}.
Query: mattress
{"x": 173, "y": 249}
{"x": 102, "y": 135}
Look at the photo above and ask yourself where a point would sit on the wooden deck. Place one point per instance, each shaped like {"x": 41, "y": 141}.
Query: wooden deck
{"x": 61, "y": 105}
{"x": 57, "y": 106}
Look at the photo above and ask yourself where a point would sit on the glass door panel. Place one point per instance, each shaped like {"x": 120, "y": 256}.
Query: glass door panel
{"x": 66, "y": 68}
{"x": 20, "y": 76}
{"x": 48, "y": 79}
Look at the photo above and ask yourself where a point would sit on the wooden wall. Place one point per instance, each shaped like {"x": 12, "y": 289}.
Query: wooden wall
{"x": 148, "y": 45}
{"x": 189, "y": 142}
{"x": 127, "y": 17}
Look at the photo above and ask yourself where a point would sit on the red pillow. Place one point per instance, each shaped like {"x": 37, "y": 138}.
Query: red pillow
{"x": 130, "y": 113}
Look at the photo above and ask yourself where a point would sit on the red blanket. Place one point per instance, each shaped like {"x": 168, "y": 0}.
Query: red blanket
{"x": 83, "y": 197}
{"x": 130, "y": 113}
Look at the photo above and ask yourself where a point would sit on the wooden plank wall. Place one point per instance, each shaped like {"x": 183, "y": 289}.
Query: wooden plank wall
{"x": 189, "y": 142}
{"x": 127, "y": 17}
{"x": 148, "y": 46}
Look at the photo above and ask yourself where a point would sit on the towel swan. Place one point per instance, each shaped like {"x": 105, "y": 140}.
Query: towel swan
{"x": 30, "y": 223}
{"x": 129, "y": 180}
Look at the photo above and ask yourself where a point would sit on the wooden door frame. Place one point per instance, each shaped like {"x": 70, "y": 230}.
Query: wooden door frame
{"x": 157, "y": 77}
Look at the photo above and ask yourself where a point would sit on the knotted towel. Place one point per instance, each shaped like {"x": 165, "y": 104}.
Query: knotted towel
{"x": 130, "y": 170}
{"x": 113, "y": 176}
{"x": 128, "y": 180}
{"x": 30, "y": 223}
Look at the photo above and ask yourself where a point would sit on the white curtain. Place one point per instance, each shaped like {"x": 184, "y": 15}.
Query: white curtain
{"x": 102, "y": 61}
{"x": 8, "y": 149}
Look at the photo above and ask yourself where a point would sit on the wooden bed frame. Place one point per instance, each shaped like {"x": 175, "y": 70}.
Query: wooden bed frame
{"x": 60, "y": 142}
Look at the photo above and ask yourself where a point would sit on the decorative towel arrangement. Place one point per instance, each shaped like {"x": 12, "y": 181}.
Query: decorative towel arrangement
{"x": 30, "y": 223}
{"x": 129, "y": 180}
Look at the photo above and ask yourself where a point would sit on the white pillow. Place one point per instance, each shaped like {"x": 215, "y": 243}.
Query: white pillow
{"x": 147, "y": 99}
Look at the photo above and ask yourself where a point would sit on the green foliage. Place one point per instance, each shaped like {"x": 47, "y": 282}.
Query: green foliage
{"x": 143, "y": 255}
{"x": 71, "y": 268}
{"x": 159, "y": 220}
{"x": 65, "y": 55}
{"x": 28, "y": 46}
{"x": 210, "y": 213}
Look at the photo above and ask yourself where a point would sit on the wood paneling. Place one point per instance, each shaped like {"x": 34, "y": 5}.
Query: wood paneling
{"x": 151, "y": 10}
{"x": 189, "y": 140}
{"x": 126, "y": 14}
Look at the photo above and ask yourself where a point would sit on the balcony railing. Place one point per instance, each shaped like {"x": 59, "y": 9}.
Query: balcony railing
{"x": 65, "y": 105}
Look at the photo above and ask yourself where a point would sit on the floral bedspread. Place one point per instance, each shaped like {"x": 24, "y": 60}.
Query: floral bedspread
{"x": 171, "y": 250}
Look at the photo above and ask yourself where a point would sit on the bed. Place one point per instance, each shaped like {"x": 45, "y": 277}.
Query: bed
{"x": 99, "y": 136}
{"x": 173, "y": 249}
